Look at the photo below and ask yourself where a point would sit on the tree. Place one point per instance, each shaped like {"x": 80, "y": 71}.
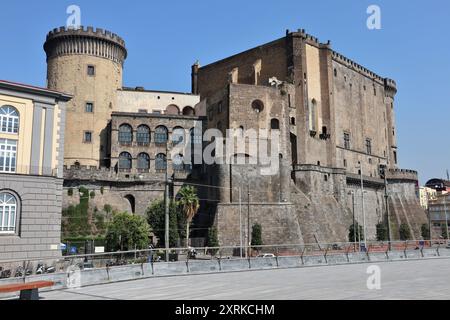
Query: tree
{"x": 189, "y": 202}
{"x": 213, "y": 240}
{"x": 256, "y": 236}
{"x": 425, "y": 231}
{"x": 444, "y": 231}
{"x": 127, "y": 232}
{"x": 405, "y": 232}
{"x": 354, "y": 236}
{"x": 382, "y": 232}
{"x": 156, "y": 218}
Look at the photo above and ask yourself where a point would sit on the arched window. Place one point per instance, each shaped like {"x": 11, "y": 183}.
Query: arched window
{"x": 125, "y": 134}
{"x": 257, "y": 106}
{"x": 143, "y": 163}
{"x": 143, "y": 135}
{"x": 8, "y": 213}
{"x": 173, "y": 110}
{"x": 188, "y": 111}
{"x": 9, "y": 119}
{"x": 313, "y": 115}
{"x": 125, "y": 161}
{"x": 178, "y": 135}
{"x": 196, "y": 136}
{"x": 178, "y": 163}
{"x": 275, "y": 124}
{"x": 161, "y": 135}
{"x": 161, "y": 162}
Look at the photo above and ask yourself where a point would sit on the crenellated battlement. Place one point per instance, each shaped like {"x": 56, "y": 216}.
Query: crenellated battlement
{"x": 402, "y": 174}
{"x": 390, "y": 87}
{"x": 85, "y": 40}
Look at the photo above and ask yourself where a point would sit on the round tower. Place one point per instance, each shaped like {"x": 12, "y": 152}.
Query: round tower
{"x": 88, "y": 64}
{"x": 390, "y": 88}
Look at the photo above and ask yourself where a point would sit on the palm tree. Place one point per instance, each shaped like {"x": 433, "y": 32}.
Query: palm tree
{"x": 190, "y": 204}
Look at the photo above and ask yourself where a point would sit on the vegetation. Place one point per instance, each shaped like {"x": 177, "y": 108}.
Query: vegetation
{"x": 405, "y": 232}
{"x": 425, "y": 231}
{"x": 156, "y": 218}
{"x": 70, "y": 192}
{"x": 444, "y": 232}
{"x": 92, "y": 194}
{"x": 213, "y": 240}
{"x": 102, "y": 190}
{"x": 190, "y": 204}
{"x": 84, "y": 221}
{"x": 354, "y": 235}
{"x": 382, "y": 234}
{"x": 127, "y": 232}
{"x": 256, "y": 236}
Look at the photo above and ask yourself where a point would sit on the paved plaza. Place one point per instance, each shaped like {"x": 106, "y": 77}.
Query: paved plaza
{"x": 424, "y": 279}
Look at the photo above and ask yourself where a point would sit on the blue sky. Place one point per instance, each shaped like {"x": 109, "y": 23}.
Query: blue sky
{"x": 165, "y": 38}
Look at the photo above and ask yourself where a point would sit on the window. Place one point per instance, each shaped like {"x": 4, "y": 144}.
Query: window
{"x": 125, "y": 134}
{"x": 178, "y": 163}
{"x": 395, "y": 157}
{"x": 143, "y": 164}
{"x": 161, "y": 162}
{"x": 87, "y": 138}
{"x": 293, "y": 121}
{"x": 8, "y": 155}
{"x": 368, "y": 146}
{"x": 9, "y": 119}
{"x": 219, "y": 107}
{"x": 161, "y": 135}
{"x": 313, "y": 115}
{"x": 8, "y": 213}
{"x": 143, "y": 135}
{"x": 347, "y": 140}
{"x": 125, "y": 161}
{"x": 177, "y": 135}
{"x": 196, "y": 136}
{"x": 257, "y": 106}
{"x": 275, "y": 124}
{"x": 335, "y": 72}
{"x": 173, "y": 110}
{"x": 91, "y": 70}
{"x": 89, "y": 107}
{"x": 188, "y": 111}
{"x": 142, "y": 111}
{"x": 345, "y": 163}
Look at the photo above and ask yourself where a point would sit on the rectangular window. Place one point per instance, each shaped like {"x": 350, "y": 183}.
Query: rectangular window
{"x": 368, "y": 146}
{"x": 8, "y": 155}
{"x": 347, "y": 140}
{"x": 91, "y": 71}
{"x": 89, "y": 107}
{"x": 87, "y": 137}
{"x": 219, "y": 107}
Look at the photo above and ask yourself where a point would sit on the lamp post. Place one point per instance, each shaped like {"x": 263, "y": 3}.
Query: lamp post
{"x": 362, "y": 204}
{"x": 386, "y": 199}
{"x": 354, "y": 220}
{"x": 166, "y": 203}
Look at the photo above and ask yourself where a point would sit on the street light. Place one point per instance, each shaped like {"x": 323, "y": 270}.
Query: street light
{"x": 352, "y": 193}
{"x": 383, "y": 169}
{"x": 362, "y": 199}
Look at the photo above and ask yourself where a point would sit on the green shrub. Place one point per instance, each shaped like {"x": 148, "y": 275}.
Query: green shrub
{"x": 257, "y": 236}
{"x": 92, "y": 194}
{"x": 405, "y": 232}
{"x": 354, "y": 236}
{"x": 127, "y": 232}
{"x": 213, "y": 240}
{"x": 70, "y": 192}
{"x": 425, "y": 231}
{"x": 102, "y": 190}
{"x": 382, "y": 234}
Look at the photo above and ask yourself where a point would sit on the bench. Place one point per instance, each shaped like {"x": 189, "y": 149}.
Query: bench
{"x": 28, "y": 291}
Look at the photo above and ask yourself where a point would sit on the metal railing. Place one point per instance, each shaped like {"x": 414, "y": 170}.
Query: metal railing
{"x": 27, "y": 267}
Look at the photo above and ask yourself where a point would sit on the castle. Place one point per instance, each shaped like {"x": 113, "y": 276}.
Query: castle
{"x": 335, "y": 119}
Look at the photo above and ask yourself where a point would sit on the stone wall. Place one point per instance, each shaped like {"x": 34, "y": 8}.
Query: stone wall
{"x": 39, "y": 234}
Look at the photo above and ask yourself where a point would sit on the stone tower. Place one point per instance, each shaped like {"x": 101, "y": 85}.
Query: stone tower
{"x": 391, "y": 91}
{"x": 88, "y": 64}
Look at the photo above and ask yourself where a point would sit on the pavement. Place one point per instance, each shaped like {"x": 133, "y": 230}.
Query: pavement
{"x": 420, "y": 279}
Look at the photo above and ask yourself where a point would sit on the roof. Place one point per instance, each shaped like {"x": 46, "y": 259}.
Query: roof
{"x": 141, "y": 89}
{"x": 35, "y": 90}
